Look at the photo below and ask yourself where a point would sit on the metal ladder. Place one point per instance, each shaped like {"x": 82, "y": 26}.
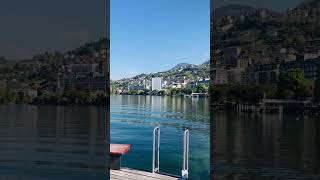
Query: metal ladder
{"x": 156, "y": 152}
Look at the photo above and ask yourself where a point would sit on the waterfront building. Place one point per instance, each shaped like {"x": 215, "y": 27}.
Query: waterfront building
{"x": 289, "y": 54}
{"x": 311, "y": 55}
{"x": 184, "y": 83}
{"x": 17, "y": 88}
{"x": 81, "y": 68}
{"x": 219, "y": 76}
{"x": 176, "y": 85}
{"x": 309, "y": 67}
{"x": 157, "y": 83}
{"x": 243, "y": 62}
{"x": 261, "y": 74}
{"x": 138, "y": 87}
{"x": 204, "y": 81}
{"x": 311, "y": 49}
{"x": 234, "y": 76}
{"x": 248, "y": 77}
{"x": 147, "y": 86}
{"x": 192, "y": 85}
{"x": 227, "y": 76}
{"x": 268, "y": 73}
{"x": 291, "y": 65}
{"x": 91, "y": 82}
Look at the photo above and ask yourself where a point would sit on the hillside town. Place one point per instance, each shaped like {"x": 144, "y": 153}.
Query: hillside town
{"x": 183, "y": 79}
{"x": 79, "y": 76}
{"x": 259, "y": 50}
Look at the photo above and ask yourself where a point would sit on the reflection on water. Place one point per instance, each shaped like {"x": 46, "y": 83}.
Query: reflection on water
{"x": 264, "y": 146}
{"x": 48, "y": 142}
{"x": 134, "y": 117}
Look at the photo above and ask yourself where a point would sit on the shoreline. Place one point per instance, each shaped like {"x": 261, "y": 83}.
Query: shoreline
{"x": 184, "y": 95}
{"x": 280, "y": 109}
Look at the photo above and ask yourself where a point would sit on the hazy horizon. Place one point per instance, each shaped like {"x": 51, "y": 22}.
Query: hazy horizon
{"x": 276, "y": 5}
{"x": 159, "y": 71}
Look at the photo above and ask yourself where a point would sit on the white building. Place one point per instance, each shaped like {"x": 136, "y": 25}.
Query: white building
{"x": 157, "y": 83}
{"x": 308, "y": 56}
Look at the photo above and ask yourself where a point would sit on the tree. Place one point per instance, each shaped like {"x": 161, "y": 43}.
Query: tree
{"x": 11, "y": 97}
{"x": 186, "y": 91}
{"x": 20, "y": 97}
{"x": 77, "y": 97}
{"x": 201, "y": 88}
{"x": 3, "y": 88}
{"x": 218, "y": 94}
{"x": 161, "y": 93}
{"x": 133, "y": 92}
{"x": 245, "y": 94}
{"x": 317, "y": 87}
{"x": 293, "y": 81}
{"x": 167, "y": 91}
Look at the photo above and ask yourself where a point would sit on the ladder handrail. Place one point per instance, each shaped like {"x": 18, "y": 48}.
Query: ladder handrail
{"x": 156, "y": 147}
{"x": 155, "y": 167}
{"x": 185, "y": 165}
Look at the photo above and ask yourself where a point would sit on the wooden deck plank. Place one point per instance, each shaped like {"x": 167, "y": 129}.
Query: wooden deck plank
{"x": 149, "y": 174}
{"x": 129, "y": 176}
{"x": 120, "y": 176}
{"x": 132, "y": 174}
{"x": 138, "y": 175}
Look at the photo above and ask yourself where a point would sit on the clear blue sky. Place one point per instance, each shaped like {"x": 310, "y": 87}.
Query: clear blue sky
{"x": 154, "y": 35}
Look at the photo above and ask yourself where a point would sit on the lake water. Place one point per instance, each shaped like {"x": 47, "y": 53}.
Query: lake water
{"x": 133, "y": 119}
{"x": 69, "y": 142}
{"x": 266, "y": 147}
{"x": 52, "y": 142}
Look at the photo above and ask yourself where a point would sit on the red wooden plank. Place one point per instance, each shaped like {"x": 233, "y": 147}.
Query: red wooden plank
{"x": 119, "y": 149}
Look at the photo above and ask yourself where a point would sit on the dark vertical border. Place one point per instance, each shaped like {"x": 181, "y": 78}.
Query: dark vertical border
{"x": 213, "y": 38}
{"x": 108, "y": 88}
{"x": 210, "y": 86}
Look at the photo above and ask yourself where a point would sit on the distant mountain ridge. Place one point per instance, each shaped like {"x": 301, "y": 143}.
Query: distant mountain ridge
{"x": 237, "y": 9}
{"x": 178, "y": 69}
{"x": 309, "y": 4}
{"x": 90, "y": 47}
{"x": 205, "y": 64}
{"x": 181, "y": 66}
{"x": 232, "y": 10}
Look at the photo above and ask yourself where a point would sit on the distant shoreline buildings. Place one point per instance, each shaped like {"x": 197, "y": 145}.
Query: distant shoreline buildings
{"x": 84, "y": 69}
{"x": 182, "y": 79}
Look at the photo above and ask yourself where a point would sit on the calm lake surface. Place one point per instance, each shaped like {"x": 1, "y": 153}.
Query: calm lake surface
{"x": 266, "y": 147}
{"x": 133, "y": 119}
{"x": 52, "y": 142}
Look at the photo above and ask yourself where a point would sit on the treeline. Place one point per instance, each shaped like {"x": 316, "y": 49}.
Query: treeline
{"x": 170, "y": 91}
{"x": 91, "y": 47}
{"x": 74, "y": 97}
{"x": 291, "y": 85}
